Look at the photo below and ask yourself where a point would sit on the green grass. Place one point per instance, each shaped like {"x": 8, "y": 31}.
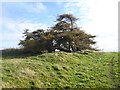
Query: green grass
{"x": 61, "y": 70}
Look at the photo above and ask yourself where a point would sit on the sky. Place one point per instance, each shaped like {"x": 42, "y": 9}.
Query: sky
{"x": 96, "y": 17}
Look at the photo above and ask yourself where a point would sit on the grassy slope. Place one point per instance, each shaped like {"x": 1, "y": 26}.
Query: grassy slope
{"x": 61, "y": 70}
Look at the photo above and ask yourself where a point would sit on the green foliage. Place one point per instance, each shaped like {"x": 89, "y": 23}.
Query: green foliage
{"x": 65, "y": 36}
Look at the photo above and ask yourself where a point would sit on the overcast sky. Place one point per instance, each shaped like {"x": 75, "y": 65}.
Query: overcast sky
{"x": 96, "y": 17}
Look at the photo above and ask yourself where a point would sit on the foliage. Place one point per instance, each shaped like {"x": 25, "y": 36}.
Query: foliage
{"x": 64, "y": 35}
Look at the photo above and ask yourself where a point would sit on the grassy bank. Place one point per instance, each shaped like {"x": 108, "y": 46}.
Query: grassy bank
{"x": 61, "y": 70}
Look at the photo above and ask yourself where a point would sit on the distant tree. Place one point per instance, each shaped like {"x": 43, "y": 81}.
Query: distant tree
{"x": 64, "y": 35}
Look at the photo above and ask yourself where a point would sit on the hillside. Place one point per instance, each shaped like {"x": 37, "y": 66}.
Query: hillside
{"x": 61, "y": 70}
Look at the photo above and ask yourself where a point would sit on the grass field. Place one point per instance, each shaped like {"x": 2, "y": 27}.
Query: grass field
{"x": 61, "y": 70}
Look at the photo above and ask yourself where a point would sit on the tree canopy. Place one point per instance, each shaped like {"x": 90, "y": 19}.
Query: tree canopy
{"x": 65, "y": 35}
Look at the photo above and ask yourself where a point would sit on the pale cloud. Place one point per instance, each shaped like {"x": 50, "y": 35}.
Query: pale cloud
{"x": 107, "y": 43}
{"x": 20, "y": 0}
{"x": 79, "y": 9}
{"x": 104, "y": 23}
{"x": 0, "y": 14}
{"x": 40, "y": 6}
{"x": 36, "y": 8}
{"x": 20, "y": 25}
{"x": 38, "y": 0}
{"x": 101, "y": 19}
{"x": 25, "y": 7}
{"x": 58, "y": 2}
{"x": 15, "y": 30}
